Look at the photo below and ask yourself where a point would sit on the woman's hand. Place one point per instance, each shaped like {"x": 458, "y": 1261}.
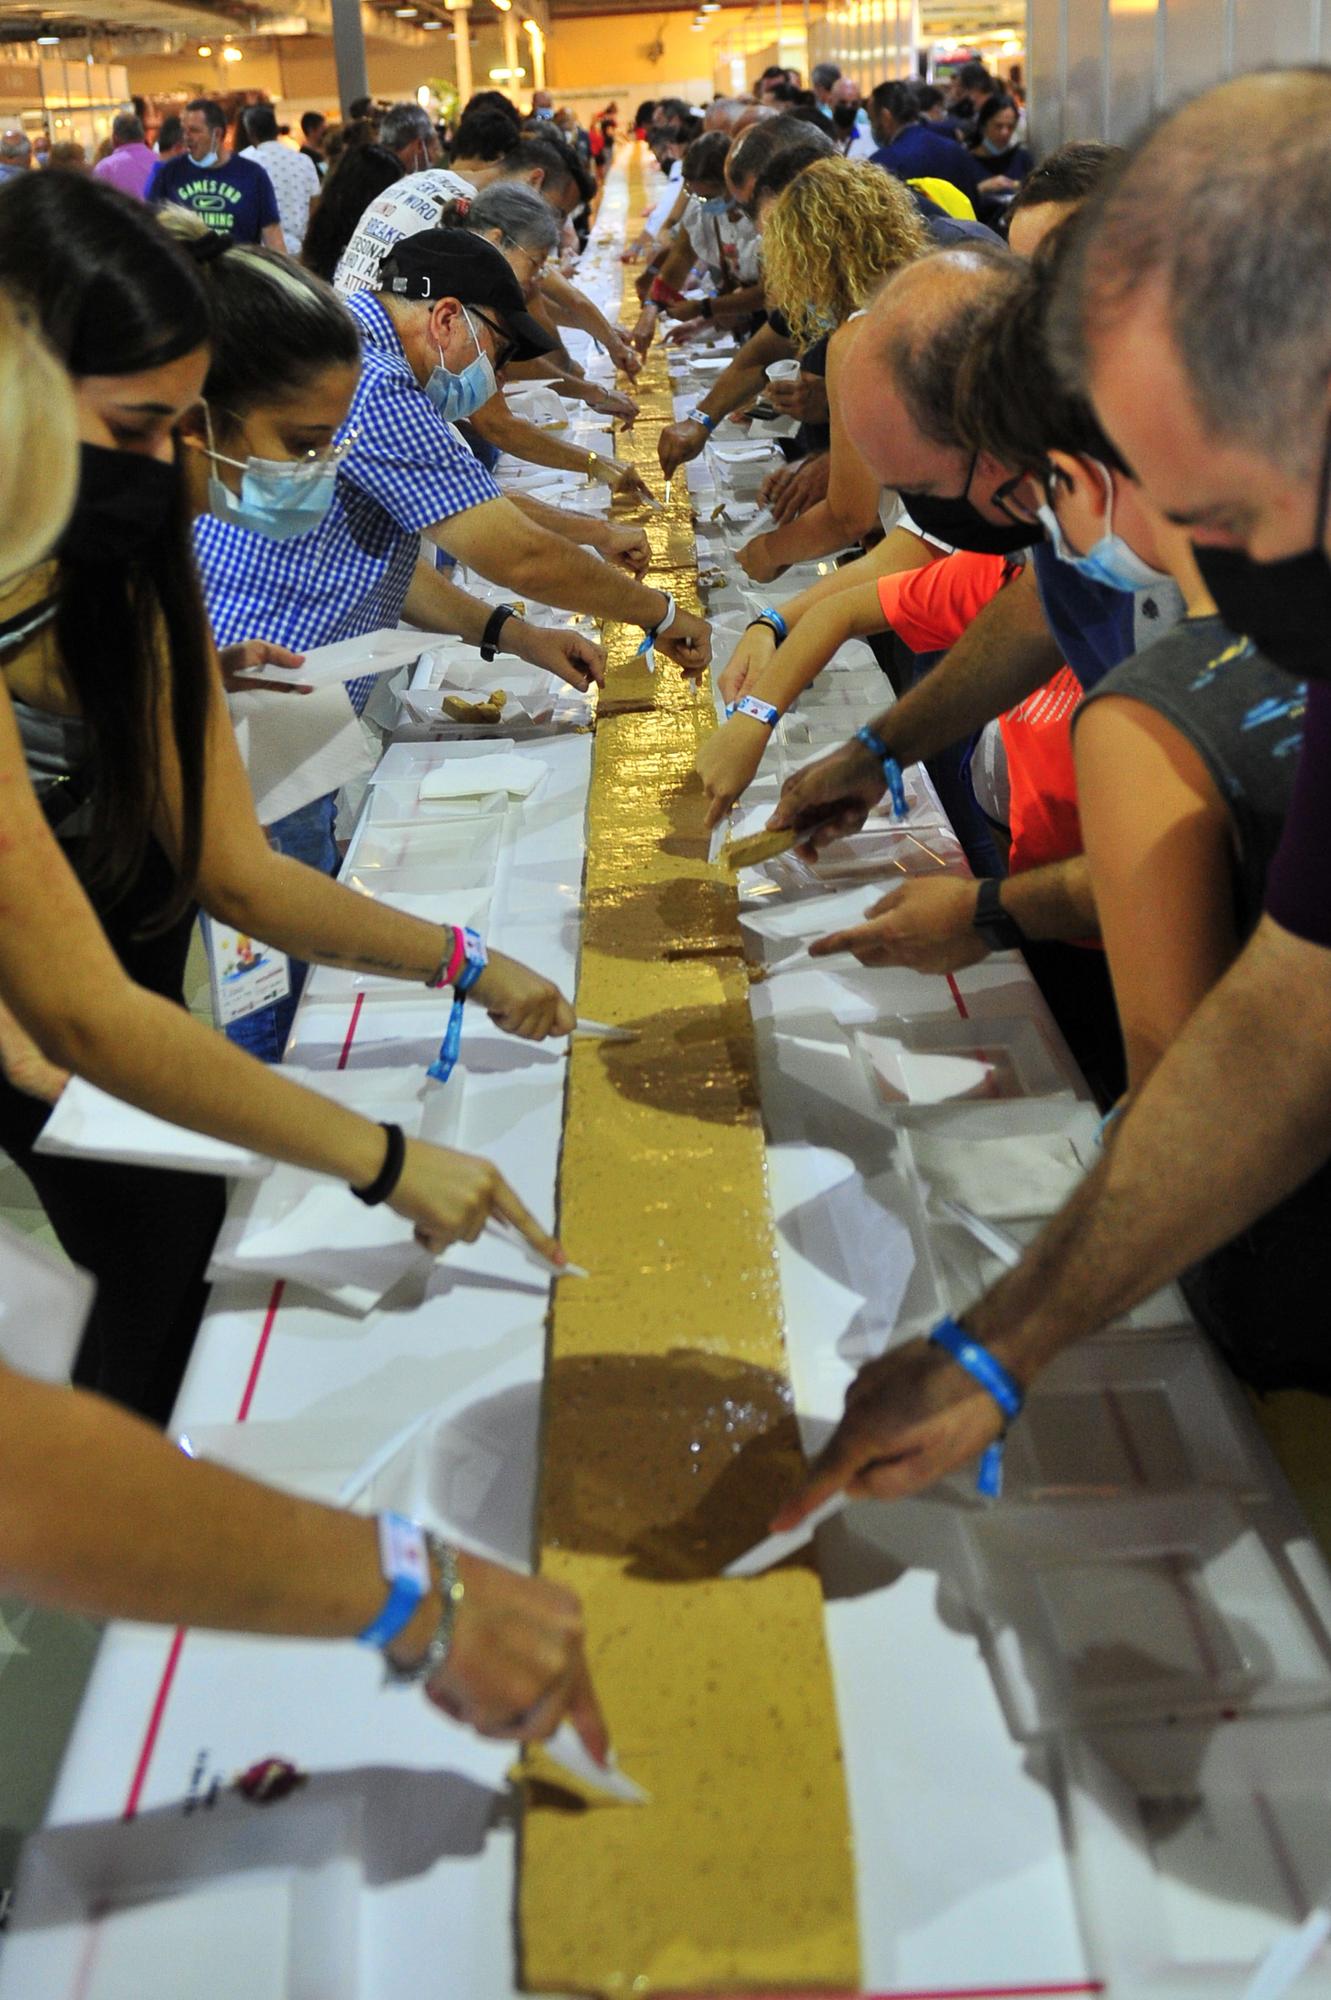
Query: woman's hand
{"x": 805, "y": 399}
{"x": 626, "y": 545}
{"x": 238, "y": 664}
{"x": 566, "y": 655}
{"x": 758, "y": 560}
{"x": 449, "y": 1197}
{"x": 911, "y": 1417}
{"x": 624, "y": 355}
{"x": 517, "y": 1665}
{"x": 522, "y": 1002}
{"x": 752, "y": 654}
{"x": 23, "y": 1064}
{"x": 728, "y": 763}
{"x": 644, "y": 331}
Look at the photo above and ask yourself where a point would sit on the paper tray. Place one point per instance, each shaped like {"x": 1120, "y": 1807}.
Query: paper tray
{"x": 932, "y": 1061}
{"x": 1192, "y": 1849}
{"x": 168, "y": 1908}
{"x": 465, "y": 850}
{"x": 1140, "y": 1611}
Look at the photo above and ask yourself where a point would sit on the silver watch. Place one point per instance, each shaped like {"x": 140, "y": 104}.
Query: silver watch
{"x": 444, "y": 1559}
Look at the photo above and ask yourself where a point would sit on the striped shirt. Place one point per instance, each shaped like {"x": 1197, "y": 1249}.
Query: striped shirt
{"x": 407, "y": 471}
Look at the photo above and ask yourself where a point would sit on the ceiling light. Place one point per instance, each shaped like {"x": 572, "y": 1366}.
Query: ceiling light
{"x": 233, "y": 55}
{"x": 405, "y": 13}
{"x": 48, "y": 41}
{"x": 710, "y": 7}
{"x": 204, "y": 49}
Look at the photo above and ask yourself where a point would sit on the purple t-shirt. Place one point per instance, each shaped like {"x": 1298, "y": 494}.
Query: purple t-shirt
{"x": 1298, "y": 890}
{"x": 130, "y": 168}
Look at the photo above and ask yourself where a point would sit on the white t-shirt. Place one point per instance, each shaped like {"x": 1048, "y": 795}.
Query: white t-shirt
{"x": 727, "y": 244}
{"x": 666, "y": 200}
{"x": 409, "y": 205}
{"x": 295, "y": 183}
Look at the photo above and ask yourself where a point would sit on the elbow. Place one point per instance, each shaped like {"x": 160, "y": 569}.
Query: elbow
{"x": 851, "y": 521}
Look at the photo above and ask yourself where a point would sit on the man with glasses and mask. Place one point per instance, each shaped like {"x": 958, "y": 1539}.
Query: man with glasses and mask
{"x": 1222, "y": 405}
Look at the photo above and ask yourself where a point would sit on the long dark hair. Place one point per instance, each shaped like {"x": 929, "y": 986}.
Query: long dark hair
{"x": 113, "y": 296}
{"x": 362, "y": 174}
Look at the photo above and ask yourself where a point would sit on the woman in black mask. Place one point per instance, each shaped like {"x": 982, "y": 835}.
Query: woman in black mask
{"x": 113, "y": 716}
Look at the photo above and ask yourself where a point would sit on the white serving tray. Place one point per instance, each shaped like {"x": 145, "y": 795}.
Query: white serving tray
{"x": 934, "y": 1060}
{"x": 1194, "y": 1848}
{"x": 1110, "y": 1612}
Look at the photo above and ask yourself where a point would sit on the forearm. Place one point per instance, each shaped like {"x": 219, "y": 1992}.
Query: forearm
{"x": 500, "y": 427}
{"x": 1003, "y": 656}
{"x": 746, "y": 374}
{"x": 821, "y": 531}
{"x": 739, "y": 304}
{"x": 549, "y": 570}
{"x": 799, "y": 659}
{"x": 1056, "y": 901}
{"x": 169, "y": 1540}
{"x": 898, "y": 551}
{"x": 570, "y": 307}
{"x": 304, "y": 912}
{"x": 436, "y": 605}
{"x": 1232, "y": 1119}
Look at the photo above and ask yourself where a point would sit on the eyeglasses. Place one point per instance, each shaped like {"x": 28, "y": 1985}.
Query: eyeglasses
{"x": 331, "y": 454}
{"x": 1020, "y": 497}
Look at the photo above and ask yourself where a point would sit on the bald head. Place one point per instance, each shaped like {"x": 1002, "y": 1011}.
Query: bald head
{"x": 15, "y": 148}
{"x": 1226, "y": 246}
{"x": 899, "y": 400}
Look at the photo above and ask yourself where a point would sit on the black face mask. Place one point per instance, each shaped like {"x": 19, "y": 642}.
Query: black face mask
{"x": 963, "y": 526}
{"x": 125, "y": 502}
{"x": 844, "y": 116}
{"x": 1283, "y": 607}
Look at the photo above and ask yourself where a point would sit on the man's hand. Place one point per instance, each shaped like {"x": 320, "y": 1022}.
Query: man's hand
{"x": 791, "y": 490}
{"x": 911, "y": 1417}
{"x": 678, "y": 443}
{"x": 608, "y": 402}
{"x": 624, "y": 480}
{"x": 688, "y": 642}
{"x": 644, "y": 331}
{"x": 517, "y": 1666}
{"x": 728, "y": 763}
{"x": 238, "y": 664}
{"x": 626, "y": 545}
{"x": 831, "y": 797}
{"x": 758, "y": 562}
{"x": 522, "y": 1002}
{"x": 752, "y": 654}
{"x": 688, "y": 329}
{"x": 925, "y": 923}
{"x": 684, "y": 308}
{"x": 805, "y": 399}
{"x": 567, "y": 655}
{"x": 621, "y": 351}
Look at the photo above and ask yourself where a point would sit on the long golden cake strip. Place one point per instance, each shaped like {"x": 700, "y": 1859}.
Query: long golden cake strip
{"x": 669, "y": 1434}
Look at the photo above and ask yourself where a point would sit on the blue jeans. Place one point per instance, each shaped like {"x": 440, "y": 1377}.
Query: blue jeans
{"x": 306, "y": 835}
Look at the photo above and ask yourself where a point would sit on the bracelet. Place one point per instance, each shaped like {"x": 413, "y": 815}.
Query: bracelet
{"x": 761, "y": 711}
{"x": 405, "y": 1563}
{"x": 451, "y": 1593}
{"x": 390, "y": 1173}
{"x": 662, "y": 294}
{"x": 446, "y": 1061}
{"x": 706, "y": 308}
{"x": 447, "y": 969}
{"x": 770, "y": 616}
{"x": 891, "y": 769}
{"x": 494, "y": 625}
{"x": 986, "y": 1369}
{"x": 652, "y": 633}
{"x": 709, "y": 424}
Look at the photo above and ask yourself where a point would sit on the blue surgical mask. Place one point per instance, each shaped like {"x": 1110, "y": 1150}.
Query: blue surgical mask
{"x": 208, "y": 160}
{"x": 544, "y": 111}
{"x": 1110, "y": 562}
{"x": 715, "y": 204}
{"x": 459, "y": 396}
{"x": 279, "y": 498}
{"x": 995, "y": 150}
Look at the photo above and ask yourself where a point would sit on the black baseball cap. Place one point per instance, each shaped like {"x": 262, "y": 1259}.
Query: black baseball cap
{"x": 454, "y": 264}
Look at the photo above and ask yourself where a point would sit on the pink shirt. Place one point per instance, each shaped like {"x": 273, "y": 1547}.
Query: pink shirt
{"x": 130, "y": 168}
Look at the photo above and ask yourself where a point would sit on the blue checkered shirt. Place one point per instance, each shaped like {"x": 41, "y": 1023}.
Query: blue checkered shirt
{"x": 407, "y": 470}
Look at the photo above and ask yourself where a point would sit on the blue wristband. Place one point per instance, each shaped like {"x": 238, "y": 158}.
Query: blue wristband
{"x": 891, "y": 769}
{"x": 761, "y": 711}
{"x": 986, "y": 1369}
{"x": 769, "y": 615}
{"x": 446, "y": 1061}
{"x": 405, "y": 1560}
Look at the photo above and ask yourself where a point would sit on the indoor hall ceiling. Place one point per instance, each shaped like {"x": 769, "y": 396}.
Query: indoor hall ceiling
{"x": 181, "y": 17}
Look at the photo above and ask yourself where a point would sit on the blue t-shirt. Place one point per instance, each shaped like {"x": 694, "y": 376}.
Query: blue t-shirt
{"x": 919, "y": 153}
{"x": 1096, "y": 627}
{"x": 235, "y": 198}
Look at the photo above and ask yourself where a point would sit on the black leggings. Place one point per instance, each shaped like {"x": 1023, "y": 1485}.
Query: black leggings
{"x": 144, "y": 1234}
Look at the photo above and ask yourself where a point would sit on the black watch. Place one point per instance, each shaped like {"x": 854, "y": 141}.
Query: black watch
{"x": 999, "y": 931}
{"x": 494, "y": 625}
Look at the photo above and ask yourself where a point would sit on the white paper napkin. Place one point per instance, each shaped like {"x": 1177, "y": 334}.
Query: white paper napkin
{"x": 472, "y": 777}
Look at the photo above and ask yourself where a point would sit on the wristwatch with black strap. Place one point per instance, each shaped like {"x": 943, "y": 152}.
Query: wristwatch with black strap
{"x": 1000, "y": 931}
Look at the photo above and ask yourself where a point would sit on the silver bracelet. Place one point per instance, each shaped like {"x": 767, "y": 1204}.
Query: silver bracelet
{"x": 451, "y": 1591}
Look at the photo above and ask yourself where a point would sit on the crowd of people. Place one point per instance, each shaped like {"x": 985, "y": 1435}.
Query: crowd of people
{"x": 1074, "y": 473}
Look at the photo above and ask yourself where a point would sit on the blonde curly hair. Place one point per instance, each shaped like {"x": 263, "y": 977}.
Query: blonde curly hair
{"x": 831, "y": 238}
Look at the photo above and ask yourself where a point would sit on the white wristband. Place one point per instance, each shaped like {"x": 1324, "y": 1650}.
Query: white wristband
{"x": 671, "y": 612}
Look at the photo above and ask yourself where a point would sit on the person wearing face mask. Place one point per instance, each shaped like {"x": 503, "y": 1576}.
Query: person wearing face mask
{"x": 1231, "y": 445}
{"x": 844, "y": 114}
{"x": 121, "y": 768}
{"x": 449, "y": 316}
{"x": 174, "y": 1540}
{"x": 278, "y": 521}
{"x": 1003, "y": 164}
{"x": 714, "y": 233}
{"x": 233, "y": 196}
{"x": 406, "y": 131}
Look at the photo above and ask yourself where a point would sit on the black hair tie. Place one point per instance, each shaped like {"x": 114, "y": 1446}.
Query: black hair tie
{"x": 207, "y": 248}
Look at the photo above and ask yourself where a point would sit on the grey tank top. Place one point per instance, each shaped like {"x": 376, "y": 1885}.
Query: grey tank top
{"x": 1242, "y": 716}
